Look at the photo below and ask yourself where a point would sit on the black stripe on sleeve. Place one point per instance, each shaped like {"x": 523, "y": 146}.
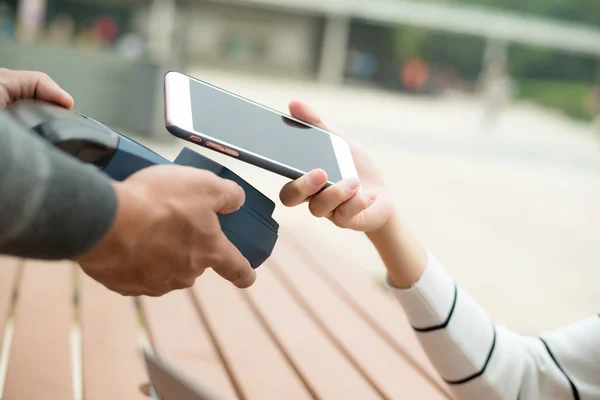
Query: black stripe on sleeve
{"x": 481, "y": 371}
{"x": 573, "y": 388}
{"x": 445, "y": 323}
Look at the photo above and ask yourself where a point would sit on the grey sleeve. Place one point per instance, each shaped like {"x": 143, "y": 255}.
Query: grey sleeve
{"x": 52, "y": 206}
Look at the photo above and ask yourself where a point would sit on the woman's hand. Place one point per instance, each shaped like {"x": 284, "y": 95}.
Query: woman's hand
{"x": 21, "y": 85}
{"x": 366, "y": 210}
{"x": 370, "y": 210}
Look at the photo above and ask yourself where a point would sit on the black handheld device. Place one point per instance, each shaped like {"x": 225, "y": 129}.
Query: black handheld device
{"x": 251, "y": 229}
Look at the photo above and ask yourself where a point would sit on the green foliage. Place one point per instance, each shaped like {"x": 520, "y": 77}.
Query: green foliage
{"x": 463, "y": 53}
{"x": 553, "y": 78}
{"x": 409, "y": 42}
{"x": 569, "y": 97}
{"x": 541, "y": 63}
{"x": 585, "y": 11}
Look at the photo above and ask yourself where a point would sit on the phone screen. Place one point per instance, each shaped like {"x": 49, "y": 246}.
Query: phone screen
{"x": 261, "y": 131}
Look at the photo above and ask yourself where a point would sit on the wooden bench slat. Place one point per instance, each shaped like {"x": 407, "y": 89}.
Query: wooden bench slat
{"x": 179, "y": 335}
{"x": 9, "y": 268}
{"x": 40, "y": 357}
{"x": 256, "y": 363}
{"x": 324, "y": 367}
{"x": 365, "y": 295}
{"x": 112, "y": 361}
{"x": 391, "y": 373}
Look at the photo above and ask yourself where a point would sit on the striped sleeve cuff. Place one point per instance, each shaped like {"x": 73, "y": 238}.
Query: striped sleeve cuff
{"x": 456, "y": 333}
{"x": 429, "y": 303}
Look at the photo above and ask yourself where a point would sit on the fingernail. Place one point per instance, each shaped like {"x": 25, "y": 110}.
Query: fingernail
{"x": 353, "y": 184}
{"x": 316, "y": 178}
{"x": 372, "y": 198}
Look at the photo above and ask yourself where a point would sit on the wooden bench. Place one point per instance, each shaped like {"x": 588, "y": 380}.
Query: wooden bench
{"x": 309, "y": 329}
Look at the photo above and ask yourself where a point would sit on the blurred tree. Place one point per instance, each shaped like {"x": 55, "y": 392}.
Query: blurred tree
{"x": 409, "y": 42}
{"x": 464, "y": 53}
{"x": 440, "y": 49}
{"x": 586, "y": 11}
{"x": 548, "y": 76}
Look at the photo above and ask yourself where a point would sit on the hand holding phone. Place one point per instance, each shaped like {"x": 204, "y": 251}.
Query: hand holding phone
{"x": 367, "y": 210}
{"x": 209, "y": 116}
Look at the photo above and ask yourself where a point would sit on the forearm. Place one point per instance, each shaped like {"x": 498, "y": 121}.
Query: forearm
{"x": 476, "y": 358}
{"x": 52, "y": 206}
{"x": 402, "y": 253}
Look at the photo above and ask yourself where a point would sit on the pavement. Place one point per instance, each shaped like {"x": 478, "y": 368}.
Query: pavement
{"x": 512, "y": 211}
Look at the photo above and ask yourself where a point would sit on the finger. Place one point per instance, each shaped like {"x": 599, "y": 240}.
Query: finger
{"x": 356, "y": 205}
{"x": 232, "y": 265}
{"x": 296, "y": 192}
{"x": 37, "y": 85}
{"x": 230, "y": 196}
{"x": 325, "y": 203}
{"x": 305, "y": 113}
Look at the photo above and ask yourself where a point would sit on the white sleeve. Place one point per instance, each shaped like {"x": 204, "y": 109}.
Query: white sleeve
{"x": 482, "y": 361}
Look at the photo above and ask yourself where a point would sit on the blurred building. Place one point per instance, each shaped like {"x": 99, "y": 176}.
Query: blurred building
{"x": 337, "y": 40}
{"x": 331, "y": 39}
{"x": 252, "y": 38}
{"x": 134, "y": 41}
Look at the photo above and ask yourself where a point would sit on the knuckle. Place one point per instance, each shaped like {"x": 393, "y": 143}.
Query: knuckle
{"x": 238, "y": 191}
{"x": 230, "y": 185}
{"x": 209, "y": 180}
{"x": 5, "y": 77}
{"x": 316, "y": 208}
{"x": 293, "y": 193}
{"x": 232, "y": 193}
{"x": 210, "y": 235}
{"x": 214, "y": 192}
{"x": 113, "y": 287}
{"x": 127, "y": 292}
{"x": 41, "y": 75}
{"x": 346, "y": 212}
{"x": 188, "y": 283}
{"x": 157, "y": 285}
{"x": 286, "y": 195}
{"x": 184, "y": 283}
{"x": 238, "y": 277}
{"x": 206, "y": 181}
{"x": 304, "y": 186}
{"x": 339, "y": 193}
{"x": 156, "y": 292}
{"x": 205, "y": 233}
{"x": 213, "y": 257}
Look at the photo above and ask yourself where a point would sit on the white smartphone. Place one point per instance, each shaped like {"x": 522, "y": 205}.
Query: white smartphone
{"x": 209, "y": 116}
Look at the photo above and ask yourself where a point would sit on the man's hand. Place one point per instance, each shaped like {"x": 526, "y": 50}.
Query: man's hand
{"x": 343, "y": 203}
{"x": 167, "y": 233}
{"x": 21, "y": 85}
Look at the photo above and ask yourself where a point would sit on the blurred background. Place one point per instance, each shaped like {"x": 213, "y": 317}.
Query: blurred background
{"x": 484, "y": 115}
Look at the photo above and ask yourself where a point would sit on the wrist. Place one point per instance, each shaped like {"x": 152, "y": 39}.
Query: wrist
{"x": 386, "y": 232}
{"x": 112, "y": 244}
{"x": 403, "y": 255}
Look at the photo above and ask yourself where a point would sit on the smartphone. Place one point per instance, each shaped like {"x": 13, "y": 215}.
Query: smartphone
{"x": 212, "y": 117}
